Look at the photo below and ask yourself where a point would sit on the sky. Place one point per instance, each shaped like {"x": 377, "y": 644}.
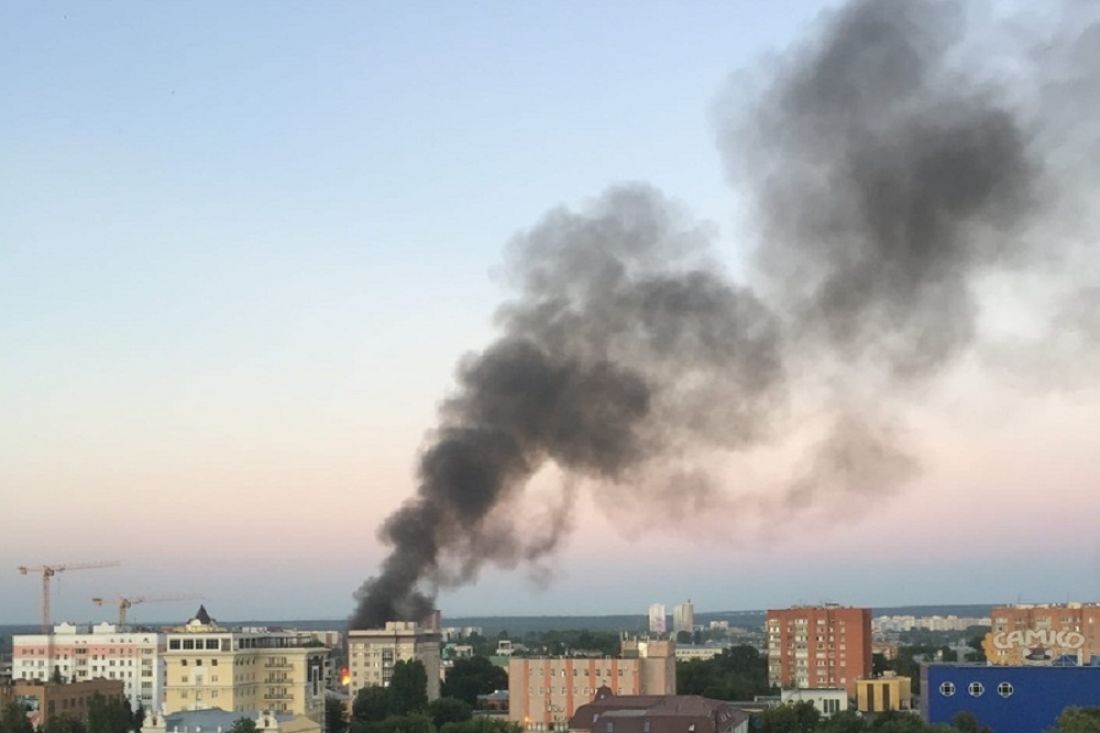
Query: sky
{"x": 243, "y": 246}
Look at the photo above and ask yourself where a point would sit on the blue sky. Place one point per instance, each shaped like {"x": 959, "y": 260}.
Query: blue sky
{"x": 243, "y": 244}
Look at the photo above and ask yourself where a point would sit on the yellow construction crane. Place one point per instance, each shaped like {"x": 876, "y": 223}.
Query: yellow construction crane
{"x": 48, "y": 571}
{"x": 125, "y": 603}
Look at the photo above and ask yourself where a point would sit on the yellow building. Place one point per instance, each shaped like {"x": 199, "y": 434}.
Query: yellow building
{"x": 878, "y": 694}
{"x": 248, "y": 671}
{"x": 372, "y": 653}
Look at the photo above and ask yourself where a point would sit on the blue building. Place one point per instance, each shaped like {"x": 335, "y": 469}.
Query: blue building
{"x": 1006, "y": 699}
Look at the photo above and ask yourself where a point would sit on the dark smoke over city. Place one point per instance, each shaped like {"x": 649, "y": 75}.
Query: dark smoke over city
{"x": 887, "y": 172}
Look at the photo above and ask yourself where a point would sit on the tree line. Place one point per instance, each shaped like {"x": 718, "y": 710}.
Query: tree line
{"x": 403, "y": 707}
{"x": 104, "y": 715}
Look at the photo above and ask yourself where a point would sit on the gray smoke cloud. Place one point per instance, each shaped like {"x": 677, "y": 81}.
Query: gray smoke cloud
{"x": 885, "y": 179}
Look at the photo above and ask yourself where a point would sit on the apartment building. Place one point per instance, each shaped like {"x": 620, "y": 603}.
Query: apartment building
{"x": 80, "y": 654}
{"x": 1037, "y": 634}
{"x": 819, "y": 646}
{"x": 683, "y": 618}
{"x": 209, "y": 666}
{"x": 657, "y": 619}
{"x": 372, "y": 654}
{"x": 545, "y": 692}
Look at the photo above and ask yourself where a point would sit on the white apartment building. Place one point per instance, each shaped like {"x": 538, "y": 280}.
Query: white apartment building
{"x": 372, "y": 654}
{"x": 683, "y": 618}
{"x": 82, "y": 653}
{"x": 657, "y": 619}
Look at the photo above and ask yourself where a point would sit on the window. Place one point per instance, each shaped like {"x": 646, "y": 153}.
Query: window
{"x": 212, "y": 644}
{"x": 1005, "y": 689}
{"x": 947, "y": 689}
{"x": 976, "y": 689}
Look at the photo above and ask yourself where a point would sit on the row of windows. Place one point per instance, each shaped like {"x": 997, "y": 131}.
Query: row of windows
{"x": 977, "y": 689}
{"x": 191, "y": 644}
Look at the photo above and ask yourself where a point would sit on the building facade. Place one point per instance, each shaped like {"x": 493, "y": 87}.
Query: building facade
{"x": 683, "y": 618}
{"x": 879, "y": 694}
{"x": 80, "y": 654}
{"x": 544, "y": 692}
{"x": 819, "y": 647}
{"x": 1036, "y": 634}
{"x": 826, "y": 701}
{"x": 44, "y": 700}
{"x": 1022, "y": 699}
{"x": 658, "y": 619}
{"x": 209, "y": 666}
{"x": 372, "y": 654}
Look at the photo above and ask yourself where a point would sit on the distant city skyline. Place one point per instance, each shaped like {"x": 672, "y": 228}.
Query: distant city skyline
{"x": 243, "y": 247}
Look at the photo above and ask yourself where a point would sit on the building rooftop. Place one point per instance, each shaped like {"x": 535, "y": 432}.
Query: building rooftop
{"x": 663, "y": 713}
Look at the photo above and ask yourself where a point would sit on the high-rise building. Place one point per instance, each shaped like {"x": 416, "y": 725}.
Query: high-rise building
{"x": 246, "y": 671}
{"x": 544, "y": 692}
{"x": 103, "y": 651}
{"x": 1036, "y": 634}
{"x": 683, "y": 618}
{"x": 372, "y": 653}
{"x": 657, "y": 619}
{"x": 819, "y": 646}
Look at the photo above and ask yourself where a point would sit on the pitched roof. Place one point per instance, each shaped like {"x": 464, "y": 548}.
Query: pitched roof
{"x": 656, "y": 714}
{"x": 202, "y": 616}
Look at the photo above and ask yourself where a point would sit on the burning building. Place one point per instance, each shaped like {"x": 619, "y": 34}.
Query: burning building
{"x": 372, "y": 654}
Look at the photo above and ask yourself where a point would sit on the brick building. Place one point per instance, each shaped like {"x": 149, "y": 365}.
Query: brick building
{"x": 544, "y": 692}
{"x": 610, "y": 713}
{"x": 1036, "y": 634}
{"x": 43, "y": 699}
{"x": 819, "y": 646}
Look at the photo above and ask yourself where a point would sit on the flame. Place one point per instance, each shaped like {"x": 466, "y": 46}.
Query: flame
{"x": 345, "y": 676}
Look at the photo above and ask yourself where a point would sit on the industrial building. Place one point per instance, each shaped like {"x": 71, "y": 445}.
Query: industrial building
{"x": 79, "y": 654}
{"x": 544, "y": 692}
{"x": 611, "y": 713}
{"x": 1026, "y": 699}
{"x": 245, "y": 671}
{"x": 819, "y": 647}
{"x": 888, "y": 692}
{"x": 372, "y": 654}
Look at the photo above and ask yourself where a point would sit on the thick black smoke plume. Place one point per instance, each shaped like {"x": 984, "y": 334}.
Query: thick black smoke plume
{"x": 886, "y": 178}
{"x": 624, "y": 347}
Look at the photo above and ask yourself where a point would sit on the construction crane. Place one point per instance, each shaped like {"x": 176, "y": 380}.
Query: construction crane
{"x": 125, "y": 603}
{"x": 48, "y": 571}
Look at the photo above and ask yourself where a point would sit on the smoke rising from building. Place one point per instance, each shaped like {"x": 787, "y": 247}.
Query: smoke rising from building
{"x": 885, "y": 179}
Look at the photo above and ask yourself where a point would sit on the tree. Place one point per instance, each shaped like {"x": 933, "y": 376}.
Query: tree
{"x": 14, "y": 720}
{"x": 371, "y": 705}
{"x": 481, "y": 725}
{"x": 416, "y": 723}
{"x": 335, "y": 715}
{"x": 137, "y": 719}
{"x": 62, "y": 724}
{"x": 474, "y": 676}
{"x": 895, "y": 721}
{"x": 109, "y": 715}
{"x": 801, "y": 717}
{"x": 243, "y": 725}
{"x": 847, "y": 721}
{"x": 55, "y": 676}
{"x": 967, "y": 722}
{"x": 683, "y": 637}
{"x": 408, "y": 690}
{"x": 449, "y": 710}
{"x": 738, "y": 673}
{"x": 1078, "y": 720}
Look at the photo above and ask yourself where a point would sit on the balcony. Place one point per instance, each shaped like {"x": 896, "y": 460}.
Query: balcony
{"x": 278, "y": 696}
